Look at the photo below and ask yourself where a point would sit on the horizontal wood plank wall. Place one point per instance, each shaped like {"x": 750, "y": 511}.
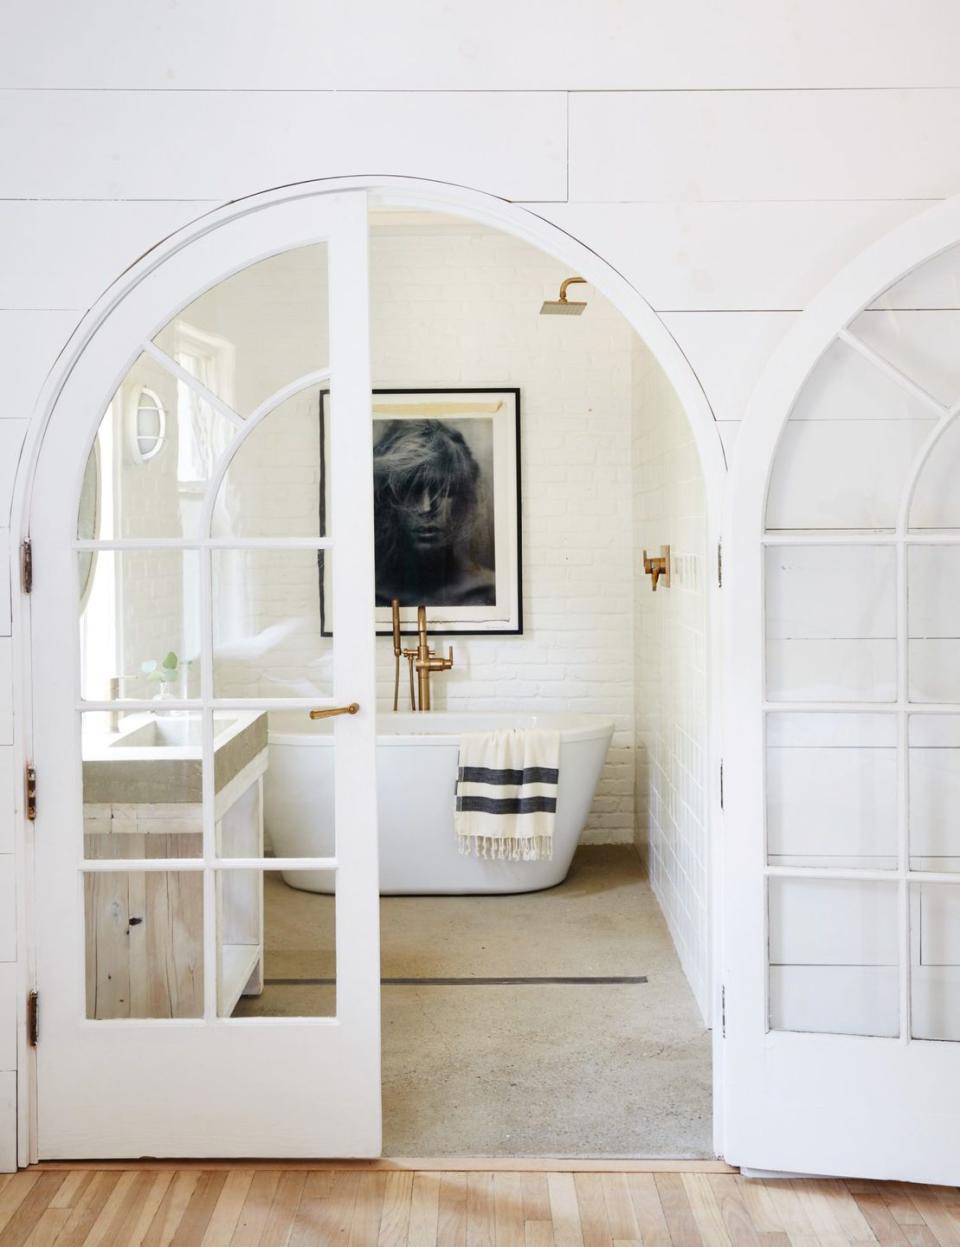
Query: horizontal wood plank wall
{"x": 141, "y": 144}
{"x": 44, "y": 271}
{"x": 447, "y": 1207}
{"x": 773, "y": 145}
{"x": 537, "y": 45}
{"x": 624, "y": 125}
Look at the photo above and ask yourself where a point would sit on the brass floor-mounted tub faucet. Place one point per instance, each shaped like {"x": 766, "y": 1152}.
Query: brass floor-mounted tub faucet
{"x": 422, "y": 660}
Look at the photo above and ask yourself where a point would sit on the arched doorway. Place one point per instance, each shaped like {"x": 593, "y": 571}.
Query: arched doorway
{"x": 129, "y": 317}
{"x": 841, "y": 910}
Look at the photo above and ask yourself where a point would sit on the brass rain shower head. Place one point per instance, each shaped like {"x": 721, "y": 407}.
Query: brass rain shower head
{"x": 563, "y": 306}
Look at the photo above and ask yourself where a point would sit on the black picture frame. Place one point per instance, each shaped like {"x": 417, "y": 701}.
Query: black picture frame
{"x": 505, "y": 617}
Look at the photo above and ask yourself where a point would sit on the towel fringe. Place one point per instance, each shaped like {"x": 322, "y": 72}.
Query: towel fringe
{"x": 508, "y": 848}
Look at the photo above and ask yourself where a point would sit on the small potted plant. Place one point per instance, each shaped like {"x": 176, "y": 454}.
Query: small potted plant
{"x": 164, "y": 674}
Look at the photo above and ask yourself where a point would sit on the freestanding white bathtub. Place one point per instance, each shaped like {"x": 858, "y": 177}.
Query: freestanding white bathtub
{"x": 416, "y": 774}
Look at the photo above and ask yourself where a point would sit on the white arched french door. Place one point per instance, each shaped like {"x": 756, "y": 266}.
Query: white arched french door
{"x": 183, "y": 576}
{"x": 841, "y": 957}
{"x": 181, "y": 1075}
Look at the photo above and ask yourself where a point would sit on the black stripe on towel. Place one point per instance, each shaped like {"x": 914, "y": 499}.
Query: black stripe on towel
{"x": 526, "y": 775}
{"x": 508, "y": 805}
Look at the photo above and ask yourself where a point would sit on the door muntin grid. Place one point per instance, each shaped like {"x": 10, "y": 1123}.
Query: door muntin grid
{"x": 862, "y": 696}
{"x": 200, "y": 704}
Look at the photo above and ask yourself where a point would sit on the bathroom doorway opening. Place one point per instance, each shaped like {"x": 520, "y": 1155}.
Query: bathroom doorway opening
{"x": 207, "y": 575}
{"x": 556, "y": 1007}
{"x": 571, "y": 1020}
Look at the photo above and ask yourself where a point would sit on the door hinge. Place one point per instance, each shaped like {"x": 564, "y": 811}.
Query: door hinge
{"x": 30, "y": 791}
{"x": 26, "y": 566}
{"x": 721, "y": 783}
{"x": 723, "y": 1012}
{"x": 720, "y": 566}
{"x": 33, "y": 1019}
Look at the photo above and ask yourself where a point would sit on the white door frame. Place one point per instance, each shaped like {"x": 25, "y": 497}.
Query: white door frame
{"x": 416, "y": 194}
{"x": 756, "y": 1062}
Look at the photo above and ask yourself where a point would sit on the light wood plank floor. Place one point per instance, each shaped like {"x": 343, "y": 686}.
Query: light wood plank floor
{"x": 356, "y": 1206}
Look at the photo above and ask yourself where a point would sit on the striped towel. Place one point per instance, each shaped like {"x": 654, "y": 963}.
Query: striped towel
{"x": 507, "y": 794}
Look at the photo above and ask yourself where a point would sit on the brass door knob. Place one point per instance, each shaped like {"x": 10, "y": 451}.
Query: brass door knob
{"x": 330, "y": 711}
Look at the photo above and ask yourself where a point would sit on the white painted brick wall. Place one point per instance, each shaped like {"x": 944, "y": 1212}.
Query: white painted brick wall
{"x": 671, "y": 721}
{"x": 146, "y": 503}
{"x": 462, "y": 309}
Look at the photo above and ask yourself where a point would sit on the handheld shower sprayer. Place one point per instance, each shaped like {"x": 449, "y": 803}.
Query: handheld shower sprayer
{"x": 397, "y": 652}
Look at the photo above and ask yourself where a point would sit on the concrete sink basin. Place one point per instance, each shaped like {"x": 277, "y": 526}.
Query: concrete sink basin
{"x": 156, "y": 759}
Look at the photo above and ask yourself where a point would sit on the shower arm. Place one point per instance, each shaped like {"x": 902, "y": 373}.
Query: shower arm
{"x": 569, "y": 281}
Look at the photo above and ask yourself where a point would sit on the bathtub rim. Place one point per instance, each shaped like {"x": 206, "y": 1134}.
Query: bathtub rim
{"x": 582, "y": 727}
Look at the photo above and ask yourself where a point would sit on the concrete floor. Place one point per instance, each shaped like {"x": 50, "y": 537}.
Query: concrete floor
{"x": 528, "y": 1069}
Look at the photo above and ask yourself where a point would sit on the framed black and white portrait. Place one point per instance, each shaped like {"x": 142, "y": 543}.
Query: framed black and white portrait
{"x": 446, "y": 487}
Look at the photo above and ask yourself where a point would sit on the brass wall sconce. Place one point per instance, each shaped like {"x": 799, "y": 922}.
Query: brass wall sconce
{"x": 658, "y": 569}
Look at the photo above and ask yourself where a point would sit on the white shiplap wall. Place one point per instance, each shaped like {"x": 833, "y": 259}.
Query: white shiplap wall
{"x": 727, "y": 159}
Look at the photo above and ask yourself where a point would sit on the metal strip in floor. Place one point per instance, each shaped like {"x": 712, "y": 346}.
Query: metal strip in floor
{"x": 567, "y": 980}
